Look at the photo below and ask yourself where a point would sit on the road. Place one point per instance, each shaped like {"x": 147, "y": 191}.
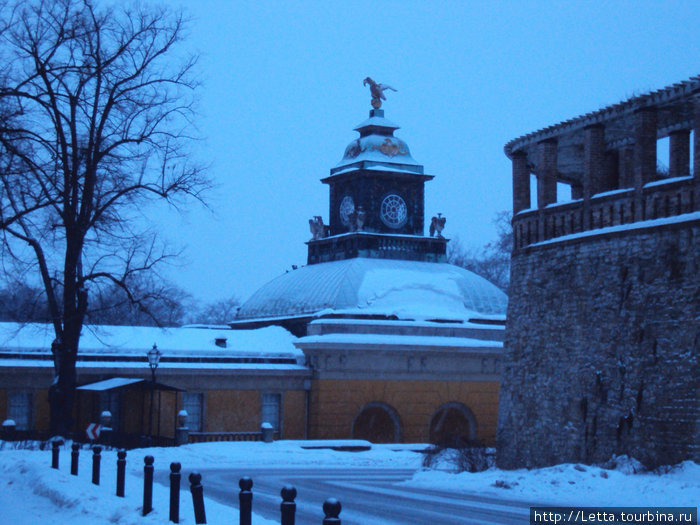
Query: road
{"x": 368, "y": 496}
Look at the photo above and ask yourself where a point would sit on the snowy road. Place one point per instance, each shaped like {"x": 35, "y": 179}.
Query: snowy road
{"x": 368, "y": 496}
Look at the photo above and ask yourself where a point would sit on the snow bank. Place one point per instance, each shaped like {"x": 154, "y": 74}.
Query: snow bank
{"x": 577, "y": 485}
{"x": 35, "y": 493}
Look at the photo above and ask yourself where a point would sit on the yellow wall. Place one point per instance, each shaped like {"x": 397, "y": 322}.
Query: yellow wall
{"x": 294, "y": 414}
{"x": 232, "y": 411}
{"x": 336, "y": 403}
{"x": 41, "y": 416}
{"x": 3, "y": 404}
{"x": 240, "y": 411}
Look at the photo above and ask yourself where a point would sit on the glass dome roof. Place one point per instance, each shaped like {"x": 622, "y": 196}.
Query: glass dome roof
{"x": 384, "y": 287}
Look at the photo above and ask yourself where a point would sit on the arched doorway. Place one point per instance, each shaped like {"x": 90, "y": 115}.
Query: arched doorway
{"x": 378, "y": 423}
{"x": 452, "y": 425}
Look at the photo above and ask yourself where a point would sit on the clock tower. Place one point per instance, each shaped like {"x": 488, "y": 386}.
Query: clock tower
{"x": 376, "y": 201}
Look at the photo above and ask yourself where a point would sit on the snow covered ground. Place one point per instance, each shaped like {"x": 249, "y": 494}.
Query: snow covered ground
{"x": 33, "y": 493}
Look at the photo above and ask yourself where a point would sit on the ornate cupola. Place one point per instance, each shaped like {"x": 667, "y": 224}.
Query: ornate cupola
{"x": 376, "y": 199}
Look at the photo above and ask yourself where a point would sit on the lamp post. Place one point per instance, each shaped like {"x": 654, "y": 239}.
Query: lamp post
{"x": 153, "y": 360}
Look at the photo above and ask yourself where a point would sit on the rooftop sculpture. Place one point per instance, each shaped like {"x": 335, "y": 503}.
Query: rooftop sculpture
{"x": 377, "y": 91}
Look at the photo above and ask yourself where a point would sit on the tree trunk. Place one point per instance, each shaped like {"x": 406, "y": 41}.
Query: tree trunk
{"x": 62, "y": 392}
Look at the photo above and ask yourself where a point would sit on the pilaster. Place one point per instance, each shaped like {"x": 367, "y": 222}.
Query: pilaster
{"x": 644, "y": 155}
{"x": 679, "y": 153}
{"x": 521, "y": 182}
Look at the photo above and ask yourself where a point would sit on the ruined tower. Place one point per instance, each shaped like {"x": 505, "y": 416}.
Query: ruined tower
{"x": 603, "y": 330}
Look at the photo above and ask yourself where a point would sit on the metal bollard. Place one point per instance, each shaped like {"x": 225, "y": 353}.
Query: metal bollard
{"x": 197, "y": 497}
{"x": 245, "y": 500}
{"x": 147, "y": 485}
{"x": 121, "y": 472}
{"x": 75, "y": 451}
{"x": 175, "y": 492}
{"x": 54, "y": 454}
{"x": 288, "y": 508}
{"x": 331, "y": 511}
{"x": 96, "y": 464}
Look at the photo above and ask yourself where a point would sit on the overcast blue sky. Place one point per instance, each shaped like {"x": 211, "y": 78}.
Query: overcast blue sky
{"x": 282, "y": 90}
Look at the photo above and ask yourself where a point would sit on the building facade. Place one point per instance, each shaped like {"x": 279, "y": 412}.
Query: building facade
{"x": 401, "y": 345}
{"x": 603, "y": 331}
{"x": 376, "y": 338}
{"x": 226, "y": 381}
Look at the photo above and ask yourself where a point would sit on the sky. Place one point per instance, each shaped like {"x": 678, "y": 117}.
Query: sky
{"x": 282, "y": 90}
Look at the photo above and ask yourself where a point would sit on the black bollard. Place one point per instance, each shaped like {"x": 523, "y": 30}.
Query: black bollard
{"x": 288, "y": 507}
{"x": 331, "y": 511}
{"x": 147, "y": 485}
{"x": 175, "y": 492}
{"x": 198, "y": 497}
{"x": 96, "y": 464}
{"x": 121, "y": 472}
{"x": 54, "y": 454}
{"x": 245, "y": 501}
{"x": 75, "y": 451}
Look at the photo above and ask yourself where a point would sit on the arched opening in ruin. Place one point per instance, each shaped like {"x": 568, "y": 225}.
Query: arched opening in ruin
{"x": 564, "y": 192}
{"x": 378, "y": 423}
{"x": 453, "y": 425}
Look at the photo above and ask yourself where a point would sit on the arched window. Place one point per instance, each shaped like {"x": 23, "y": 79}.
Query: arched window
{"x": 452, "y": 425}
{"x": 378, "y": 423}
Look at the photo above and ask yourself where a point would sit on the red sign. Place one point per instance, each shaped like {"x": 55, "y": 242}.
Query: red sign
{"x": 93, "y": 431}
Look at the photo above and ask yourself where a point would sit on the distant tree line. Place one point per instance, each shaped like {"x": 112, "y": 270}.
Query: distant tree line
{"x": 161, "y": 304}
{"x": 491, "y": 261}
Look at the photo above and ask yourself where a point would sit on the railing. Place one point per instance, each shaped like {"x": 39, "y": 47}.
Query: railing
{"x": 376, "y": 245}
{"x": 22, "y": 439}
{"x": 657, "y": 200}
{"x": 208, "y": 437}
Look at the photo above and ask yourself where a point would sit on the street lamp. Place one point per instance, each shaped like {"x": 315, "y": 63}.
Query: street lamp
{"x": 153, "y": 359}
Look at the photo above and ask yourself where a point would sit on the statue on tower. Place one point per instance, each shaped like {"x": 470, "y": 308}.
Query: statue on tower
{"x": 437, "y": 224}
{"x": 377, "y": 91}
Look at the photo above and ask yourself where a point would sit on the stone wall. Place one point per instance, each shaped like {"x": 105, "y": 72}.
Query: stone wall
{"x": 602, "y": 347}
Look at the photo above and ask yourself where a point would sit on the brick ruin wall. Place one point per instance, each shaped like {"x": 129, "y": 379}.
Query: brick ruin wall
{"x": 602, "y": 350}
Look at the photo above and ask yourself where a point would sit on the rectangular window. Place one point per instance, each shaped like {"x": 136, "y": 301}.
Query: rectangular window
{"x": 20, "y": 409}
{"x": 271, "y": 409}
{"x": 109, "y": 400}
{"x": 194, "y": 405}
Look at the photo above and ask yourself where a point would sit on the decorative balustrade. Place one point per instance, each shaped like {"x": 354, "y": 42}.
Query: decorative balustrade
{"x": 366, "y": 244}
{"x": 659, "y": 199}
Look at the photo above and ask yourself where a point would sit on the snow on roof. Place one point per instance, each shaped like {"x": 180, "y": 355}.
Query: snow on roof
{"x": 400, "y": 341}
{"x": 272, "y": 341}
{"x": 108, "y": 384}
{"x": 374, "y": 166}
{"x": 385, "y": 287}
{"x": 377, "y": 121}
{"x": 429, "y": 324}
{"x": 378, "y": 148}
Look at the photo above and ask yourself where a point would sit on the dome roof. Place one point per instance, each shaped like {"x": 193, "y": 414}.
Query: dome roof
{"x": 385, "y": 287}
{"x": 377, "y": 148}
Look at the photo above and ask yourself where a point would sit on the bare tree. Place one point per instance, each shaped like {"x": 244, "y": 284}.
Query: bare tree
{"x": 492, "y": 261}
{"x": 160, "y": 303}
{"x": 94, "y": 119}
{"x": 221, "y": 311}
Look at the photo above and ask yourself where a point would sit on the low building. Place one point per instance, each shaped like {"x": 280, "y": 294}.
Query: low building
{"x": 226, "y": 381}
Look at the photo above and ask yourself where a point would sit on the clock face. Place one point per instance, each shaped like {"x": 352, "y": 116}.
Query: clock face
{"x": 393, "y": 211}
{"x": 347, "y": 207}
